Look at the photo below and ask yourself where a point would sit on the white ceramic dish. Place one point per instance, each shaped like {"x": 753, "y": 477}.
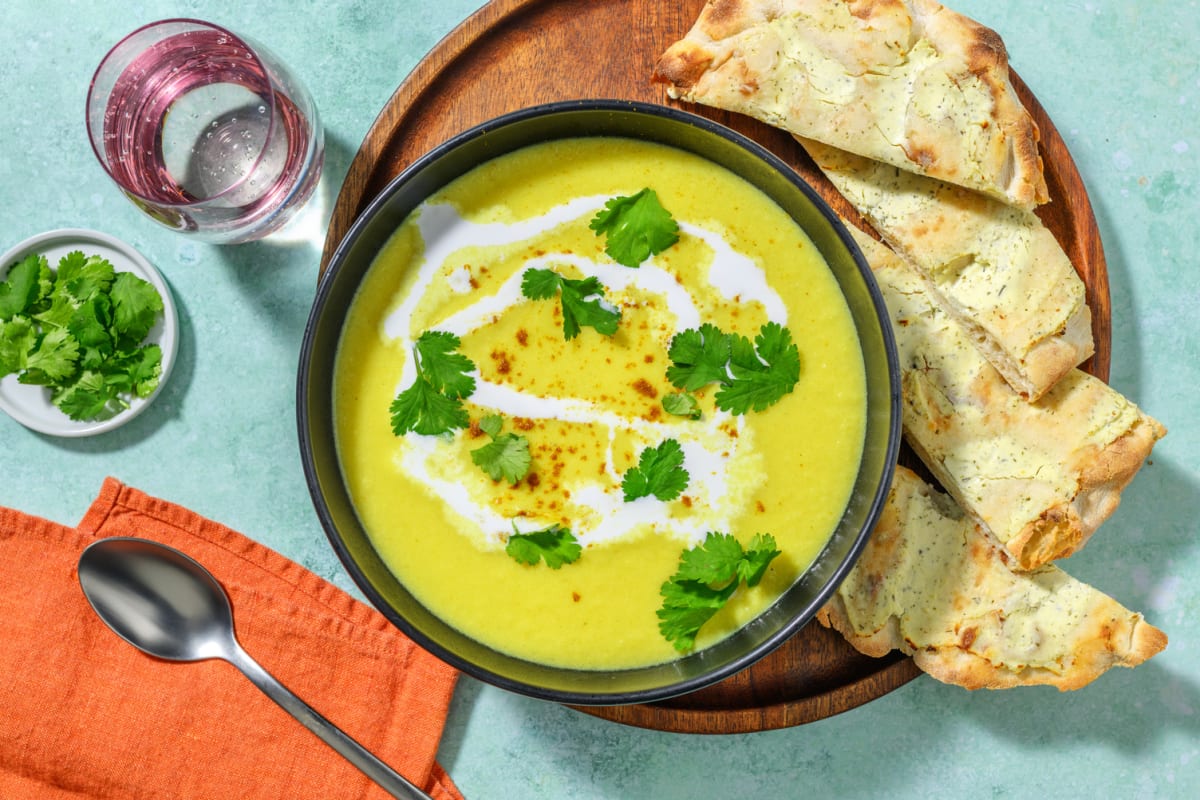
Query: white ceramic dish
{"x": 30, "y": 405}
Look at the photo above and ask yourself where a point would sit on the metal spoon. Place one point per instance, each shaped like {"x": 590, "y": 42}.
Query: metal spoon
{"x": 165, "y": 604}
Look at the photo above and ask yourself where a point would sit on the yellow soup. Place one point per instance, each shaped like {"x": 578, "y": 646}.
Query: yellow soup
{"x": 588, "y": 406}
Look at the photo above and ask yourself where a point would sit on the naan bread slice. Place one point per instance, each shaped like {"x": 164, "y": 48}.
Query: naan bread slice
{"x": 995, "y": 268}
{"x": 907, "y": 82}
{"x": 1039, "y": 477}
{"x": 931, "y": 584}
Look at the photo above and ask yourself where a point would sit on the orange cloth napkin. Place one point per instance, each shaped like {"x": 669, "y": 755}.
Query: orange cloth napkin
{"x": 85, "y": 715}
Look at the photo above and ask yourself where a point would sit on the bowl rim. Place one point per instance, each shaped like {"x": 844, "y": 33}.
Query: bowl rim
{"x": 567, "y": 696}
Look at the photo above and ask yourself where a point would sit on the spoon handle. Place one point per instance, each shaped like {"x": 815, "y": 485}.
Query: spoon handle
{"x": 392, "y": 782}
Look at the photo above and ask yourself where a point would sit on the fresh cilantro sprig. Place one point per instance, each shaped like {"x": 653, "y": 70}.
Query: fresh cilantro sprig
{"x": 708, "y": 575}
{"x": 582, "y": 300}
{"x": 555, "y": 545}
{"x": 506, "y": 457}
{"x": 659, "y": 472}
{"x": 79, "y": 331}
{"x": 433, "y": 403}
{"x": 752, "y": 375}
{"x": 636, "y": 227}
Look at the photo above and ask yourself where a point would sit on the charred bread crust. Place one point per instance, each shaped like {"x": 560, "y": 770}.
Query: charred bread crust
{"x": 907, "y": 82}
{"x": 977, "y": 623}
{"x": 1039, "y": 477}
{"x": 994, "y": 268}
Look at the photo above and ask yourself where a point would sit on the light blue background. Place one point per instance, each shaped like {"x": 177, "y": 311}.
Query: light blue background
{"x": 1121, "y": 81}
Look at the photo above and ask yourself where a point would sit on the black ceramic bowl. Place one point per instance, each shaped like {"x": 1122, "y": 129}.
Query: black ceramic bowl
{"x": 315, "y": 410}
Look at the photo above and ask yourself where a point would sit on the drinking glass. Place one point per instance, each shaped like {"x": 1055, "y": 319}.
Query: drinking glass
{"x": 205, "y": 130}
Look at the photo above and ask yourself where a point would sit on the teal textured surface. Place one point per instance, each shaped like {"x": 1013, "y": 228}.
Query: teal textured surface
{"x": 1120, "y": 80}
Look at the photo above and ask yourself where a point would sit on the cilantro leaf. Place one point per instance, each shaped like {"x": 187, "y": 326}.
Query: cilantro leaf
{"x": 506, "y": 456}
{"x": 708, "y": 575}
{"x": 17, "y": 337}
{"x": 491, "y": 424}
{"x": 445, "y": 370}
{"x": 687, "y": 605}
{"x": 659, "y": 472}
{"x": 582, "y": 300}
{"x": 52, "y": 360}
{"x": 713, "y": 561}
{"x": 81, "y": 276}
{"x": 540, "y": 284}
{"x": 762, "y": 373}
{"x": 135, "y": 372}
{"x": 433, "y": 403}
{"x": 583, "y": 304}
{"x": 423, "y": 409}
{"x": 752, "y": 375}
{"x": 555, "y": 545}
{"x": 759, "y": 554}
{"x": 136, "y": 306}
{"x": 57, "y": 310}
{"x": 21, "y": 288}
{"x": 681, "y": 404}
{"x": 89, "y": 397}
{"x": 90, "y": 326}
{"x": 698, "y": 357}
{"x": 636, "y": 227}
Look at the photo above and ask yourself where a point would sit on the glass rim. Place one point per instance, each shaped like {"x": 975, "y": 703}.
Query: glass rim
{"x": 251, "y": 50}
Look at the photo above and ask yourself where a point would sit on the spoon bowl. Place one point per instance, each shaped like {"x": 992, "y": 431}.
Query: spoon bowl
{"x": 158, "y": 599}
{"x": 167, "y": 605}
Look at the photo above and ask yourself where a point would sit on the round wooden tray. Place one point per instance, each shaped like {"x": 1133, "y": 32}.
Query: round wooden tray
{"x": 517, "y": 53}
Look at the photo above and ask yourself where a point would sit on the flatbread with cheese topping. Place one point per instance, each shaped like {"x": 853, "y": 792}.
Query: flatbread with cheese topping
{"x": 930, "y": 584}
{"x": 1039, "y": 477}
{"x": 995, "y": 268}
{"x": 906, "y": 82}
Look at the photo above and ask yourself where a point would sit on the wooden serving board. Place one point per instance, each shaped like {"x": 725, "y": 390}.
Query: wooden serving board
{"x": 517, "y": 53}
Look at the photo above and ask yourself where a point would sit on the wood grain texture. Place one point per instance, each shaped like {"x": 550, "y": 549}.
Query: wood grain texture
{"x": 512, "y": 54}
